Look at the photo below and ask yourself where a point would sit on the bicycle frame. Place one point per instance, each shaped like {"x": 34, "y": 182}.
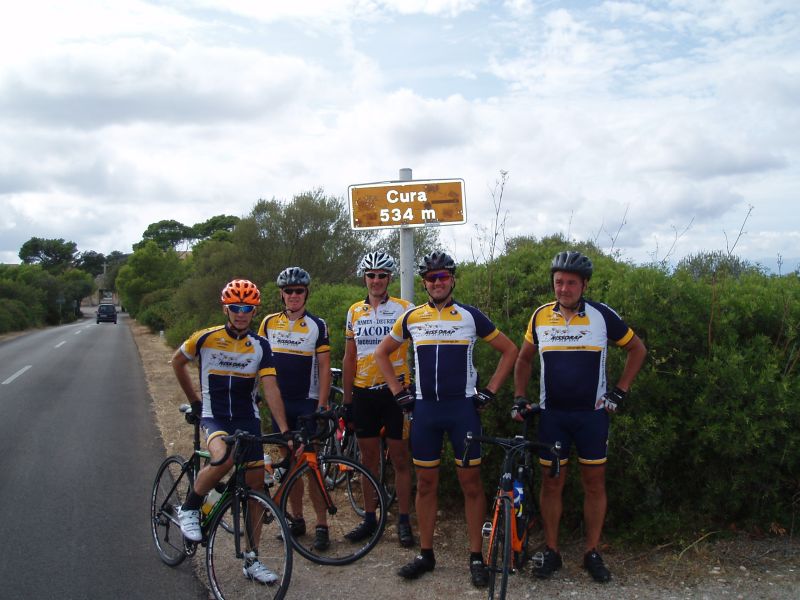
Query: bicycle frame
{"x": 514, "y": 448}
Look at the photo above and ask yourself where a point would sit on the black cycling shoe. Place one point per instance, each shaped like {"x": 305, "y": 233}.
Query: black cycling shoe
{"x": 478, "y": 573}
{"x": 297, "y": 527}
{"x": 593, "y": 562}
{"x": 362, "y": 531}
{"x": 546, "y": 563}
{"x": 404, "y": 535}
{"x": 417, "y": 567}
{"x": 321, "y": 539}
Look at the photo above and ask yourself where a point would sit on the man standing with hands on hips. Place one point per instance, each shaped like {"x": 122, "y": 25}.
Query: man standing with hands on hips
{"x": 571, "y": 335}
{"x": 444, "y": 333}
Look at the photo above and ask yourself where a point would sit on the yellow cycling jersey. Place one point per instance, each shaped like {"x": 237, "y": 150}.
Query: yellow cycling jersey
{"x": 366, "y": 327}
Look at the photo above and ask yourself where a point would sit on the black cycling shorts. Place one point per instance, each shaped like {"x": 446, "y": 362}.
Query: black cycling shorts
{"x": 374, "y": 409}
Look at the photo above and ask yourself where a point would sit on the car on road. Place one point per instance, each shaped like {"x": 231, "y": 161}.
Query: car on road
{"x": 107, "y": 312}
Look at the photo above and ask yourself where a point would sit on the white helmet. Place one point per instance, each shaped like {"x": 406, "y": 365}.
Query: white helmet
{"x": 377, "y": 261}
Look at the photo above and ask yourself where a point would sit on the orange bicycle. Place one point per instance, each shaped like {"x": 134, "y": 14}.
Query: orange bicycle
{"x": 513, "y": 514}
{"x": 336, "y": 487}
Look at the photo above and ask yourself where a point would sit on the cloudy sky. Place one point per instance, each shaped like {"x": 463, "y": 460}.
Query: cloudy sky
{"x": 647, "y": 126}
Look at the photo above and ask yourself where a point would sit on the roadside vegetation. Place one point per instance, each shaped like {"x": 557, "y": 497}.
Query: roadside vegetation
{"x": 708, "y": 440}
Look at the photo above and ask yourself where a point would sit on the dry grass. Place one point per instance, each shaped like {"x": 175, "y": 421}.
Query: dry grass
{"x": 164, "y": 390}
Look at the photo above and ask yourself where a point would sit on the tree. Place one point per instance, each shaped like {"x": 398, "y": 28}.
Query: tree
{"x": 167, "y": 234}
{"x": 148, "y": 269}
{"x": 426, "y": 240}
{"x": 91, "y": 262}
{"x": 54, "y": 255}
{"x": 218, "y": 223}
{"x": 312, "y": 231}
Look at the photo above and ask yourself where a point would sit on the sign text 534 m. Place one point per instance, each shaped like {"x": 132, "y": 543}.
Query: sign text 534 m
{"x": 407, "y": 203}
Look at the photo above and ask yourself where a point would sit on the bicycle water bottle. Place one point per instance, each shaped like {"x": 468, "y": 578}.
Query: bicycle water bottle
{"x": 519, "y": 497}
{"x": 269, "y": 479}
{"x": 210, "y": 501}
{"x": 519, "y": 491}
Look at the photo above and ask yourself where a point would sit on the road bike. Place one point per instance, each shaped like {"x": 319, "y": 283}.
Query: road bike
{"x": 333, "y": 484}
{"x": 242, "y": 523}
{"x": 513, "y": 513}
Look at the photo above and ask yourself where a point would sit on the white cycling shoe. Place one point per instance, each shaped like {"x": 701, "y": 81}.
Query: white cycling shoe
{"x": 190, "y": 524}
{"x": 256, "y": 570}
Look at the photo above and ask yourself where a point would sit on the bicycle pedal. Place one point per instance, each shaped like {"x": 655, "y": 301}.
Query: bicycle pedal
{"x": 538, "y": 559}
{"x": 486, "y": 530}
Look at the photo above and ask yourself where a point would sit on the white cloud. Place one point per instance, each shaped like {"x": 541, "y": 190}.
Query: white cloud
{"x": 114, "y": 116}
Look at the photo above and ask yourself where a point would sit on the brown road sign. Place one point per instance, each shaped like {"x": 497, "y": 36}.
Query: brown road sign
{"x": 407, "y": 203}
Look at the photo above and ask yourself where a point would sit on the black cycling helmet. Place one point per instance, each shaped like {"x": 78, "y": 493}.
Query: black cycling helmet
{"x": 436, "y": 261}
{"x": 293, "y": 276}
{"x": 571, "y": 261}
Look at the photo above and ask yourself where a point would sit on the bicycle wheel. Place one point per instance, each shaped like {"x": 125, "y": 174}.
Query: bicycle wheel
{"x": 344, "y": 512}
{"x": 500, "y": 548}
{"x": 263, "y": 535}
{"x": 169, "y": 491}
{"x": 386, "y": 473}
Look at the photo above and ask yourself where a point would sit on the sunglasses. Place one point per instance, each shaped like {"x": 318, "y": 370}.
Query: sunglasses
{"x": 290, "y": 291}
{"x": 241, "y": 308}
{"x": 378, "y": 275}
{"x": 437, "y": 276}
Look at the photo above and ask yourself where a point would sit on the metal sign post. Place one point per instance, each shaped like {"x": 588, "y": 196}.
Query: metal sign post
{"x": 406, "y": 253}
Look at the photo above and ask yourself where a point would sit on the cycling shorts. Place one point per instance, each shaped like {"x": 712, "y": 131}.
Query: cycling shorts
{"x": 588, "y": 429}
{"x": 213, "y": 427}
{"x": 432, "y": 419}
{"x": 374, "y": 409}
{"x": 294, "y": 410}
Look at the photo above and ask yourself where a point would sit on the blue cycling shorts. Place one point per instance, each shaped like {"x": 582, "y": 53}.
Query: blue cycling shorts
{"x": 294, "y": 410}
{"x": 432, "y": 420}
{"x": 213, "y": 427}
{"x": 587, "y": 429}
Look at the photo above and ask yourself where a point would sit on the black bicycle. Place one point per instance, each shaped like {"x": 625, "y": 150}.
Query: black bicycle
{"x": 241, "y": 524}
{"x": 340, "y": 487}
{"x": 513, "y": 515}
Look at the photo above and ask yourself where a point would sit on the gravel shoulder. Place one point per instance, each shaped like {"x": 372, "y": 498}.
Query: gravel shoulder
{"x": 737, "y": 567}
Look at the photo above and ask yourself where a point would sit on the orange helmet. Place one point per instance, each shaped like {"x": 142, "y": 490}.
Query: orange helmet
{"x": 241, "y": 291}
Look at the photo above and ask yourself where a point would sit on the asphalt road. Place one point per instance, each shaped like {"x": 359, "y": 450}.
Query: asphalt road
{"x": 78, "y": 454}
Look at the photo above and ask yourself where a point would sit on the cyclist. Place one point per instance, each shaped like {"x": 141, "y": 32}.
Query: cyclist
{"x": 301, "y": 348}
{"x": 444, "y": 333}
{"x": 571, "y": 335}
{"x": 232, "y": 362}
{"x": 368, "y": 402}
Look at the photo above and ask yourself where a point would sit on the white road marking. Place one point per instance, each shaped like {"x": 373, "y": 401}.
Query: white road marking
{"x": 77, "y": 332}
{"x": 17, "y": 374}
{"x": 59, "y": 344}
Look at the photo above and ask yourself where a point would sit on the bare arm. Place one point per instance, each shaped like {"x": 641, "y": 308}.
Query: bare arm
{"x": 274, "y": 401}
{"x": 324, "y": 365}
{"x": 508, "y": 351}
{"x": 348, "y": 369}
{"x": 382, "y": 353}
{"x": 633, "y": 362}
{"x": 523, "y": 368}
{"x": 179, "y": 365}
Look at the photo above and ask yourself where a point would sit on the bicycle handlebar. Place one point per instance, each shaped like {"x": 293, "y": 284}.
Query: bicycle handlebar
{"x": 233, "y": 442}
{"x": 515, "y": 445}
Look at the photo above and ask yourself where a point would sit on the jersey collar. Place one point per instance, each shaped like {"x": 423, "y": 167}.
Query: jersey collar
{"x": 384, "y": 301}
{"x": 581, "y": 312}
{"x": 452, "y": 301}
{"x": 234, "y": 334}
